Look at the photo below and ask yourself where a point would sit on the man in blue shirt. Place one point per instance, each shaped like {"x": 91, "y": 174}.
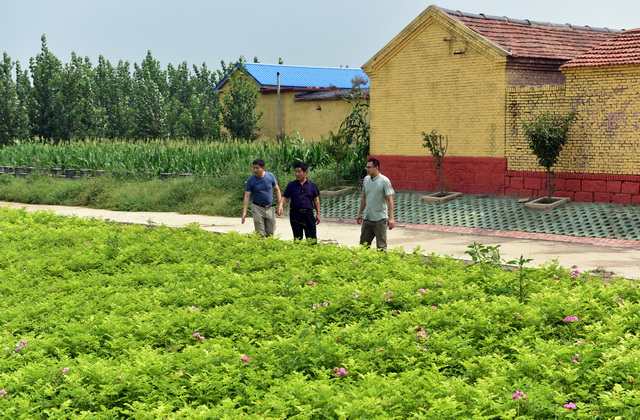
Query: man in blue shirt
{"x": 261, "y": 185}
{"x": 376, "y": 206}
{"x": 304, "y": 196}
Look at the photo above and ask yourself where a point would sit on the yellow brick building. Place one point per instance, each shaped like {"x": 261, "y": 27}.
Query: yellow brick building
{"x": 476, "y": 78}
{"x": 308, "y": 101}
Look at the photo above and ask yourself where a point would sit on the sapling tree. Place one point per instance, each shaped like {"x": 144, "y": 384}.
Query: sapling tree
{"x": 437, "y": 145}
{"x": 337, "y": 147}
{"x": 547, "y": 134}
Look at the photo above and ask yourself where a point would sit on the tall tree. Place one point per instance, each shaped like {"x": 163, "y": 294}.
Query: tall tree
{"x": 180, "y": 92}
{"x": 123, "y": 119}
{"x": 25, "y": 98}
{"x": 107, "y": 97}
{"x": 13, "y": 117}
{"x": 204, "y": 105}
{"x": 81, "y": 116}
{"x": 149, "y": 106}
{"x": 46, "y": 72}
{"x": 239, "y": 103}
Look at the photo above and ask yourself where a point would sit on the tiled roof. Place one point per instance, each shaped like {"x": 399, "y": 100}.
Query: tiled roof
{"x": 525, "y": 38}
{"x": 623, "y": 49}
{"x": 303, "y": 77}
{"x": 327, "y": 94}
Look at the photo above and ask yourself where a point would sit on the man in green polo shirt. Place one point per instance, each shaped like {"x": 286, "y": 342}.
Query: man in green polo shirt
{"x": 376, "y": 207}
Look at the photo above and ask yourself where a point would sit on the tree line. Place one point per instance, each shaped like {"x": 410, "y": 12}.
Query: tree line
{"x": 77, "y": 100}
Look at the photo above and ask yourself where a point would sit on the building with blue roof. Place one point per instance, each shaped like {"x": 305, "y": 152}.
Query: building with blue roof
{"x": 300, "y": 99}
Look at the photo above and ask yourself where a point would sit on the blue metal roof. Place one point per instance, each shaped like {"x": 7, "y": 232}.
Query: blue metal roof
{"x": 302, "y": 77}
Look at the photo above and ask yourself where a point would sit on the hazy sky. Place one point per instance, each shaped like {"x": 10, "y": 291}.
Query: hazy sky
{"x": 329, "y": 33}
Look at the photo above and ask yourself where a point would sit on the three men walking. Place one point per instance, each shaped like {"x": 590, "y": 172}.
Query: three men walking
{"x": 375, "y": 213}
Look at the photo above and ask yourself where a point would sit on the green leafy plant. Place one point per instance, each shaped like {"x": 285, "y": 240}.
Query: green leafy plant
{"x": 547, "y": 134}
{"x": 181, "y": 323}
{"x": 485, "y": 256}
{"x": 338, "y": 147}
{"x": 356, "y": 126}
{"x": 489, "y": 258}
{"x": 352, "y": 138}
{"x": 437, "y": 145}
{"x": 522, "y": 276}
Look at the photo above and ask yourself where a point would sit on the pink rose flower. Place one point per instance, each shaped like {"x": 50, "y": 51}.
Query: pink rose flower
{"x": 519, "y": 395}
{"x": 340, "y": 371}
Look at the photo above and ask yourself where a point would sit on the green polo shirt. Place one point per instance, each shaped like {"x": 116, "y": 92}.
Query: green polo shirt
{"x": 377, "y": 189}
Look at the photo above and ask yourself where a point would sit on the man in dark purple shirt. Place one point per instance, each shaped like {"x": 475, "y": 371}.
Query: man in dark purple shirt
{"x": 305, "y": 197}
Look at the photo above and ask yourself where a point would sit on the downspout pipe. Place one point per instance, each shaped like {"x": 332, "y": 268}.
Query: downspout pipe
{"x": 279, "y": 112}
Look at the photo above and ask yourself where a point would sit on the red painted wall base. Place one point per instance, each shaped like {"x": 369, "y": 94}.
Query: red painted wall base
{"x": 601, "y": 188}
{"x": 470, "y": 175}
{"x": 467, "y": 175}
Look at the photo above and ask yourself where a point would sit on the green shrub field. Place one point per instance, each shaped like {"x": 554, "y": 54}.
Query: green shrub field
{"x": 102, "y": 320}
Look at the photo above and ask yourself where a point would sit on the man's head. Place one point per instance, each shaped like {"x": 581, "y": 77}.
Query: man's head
{"x": 258, "y": 168}
{"x": 372, "y": 167}
{"x": 300, "y": 170}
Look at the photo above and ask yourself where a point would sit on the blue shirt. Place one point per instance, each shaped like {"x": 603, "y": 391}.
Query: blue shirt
{"x": 262, "y": 188}
{"x": 301, "y": 195}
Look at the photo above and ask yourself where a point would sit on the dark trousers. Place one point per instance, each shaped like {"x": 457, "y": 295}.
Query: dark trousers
{"x": 303, "y": 221}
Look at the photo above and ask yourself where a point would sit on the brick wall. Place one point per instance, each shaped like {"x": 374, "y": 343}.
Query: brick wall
{"x": 438, "y": 75}
{"x": 604, "y": 188}
{"x": 439, "y": 78}
{"x": 606, "y": 137}
{"x": 523, "y": 103}
{"x": 600, "y": 160}
{"x": 467, "y": 175}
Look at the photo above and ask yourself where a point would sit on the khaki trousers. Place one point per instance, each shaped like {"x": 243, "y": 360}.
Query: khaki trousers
{"x": 264, "y": 219}
{"x": 370, "y": 230}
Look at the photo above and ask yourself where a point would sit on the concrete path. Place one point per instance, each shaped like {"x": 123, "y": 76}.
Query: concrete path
{"x": 620, "y": 257}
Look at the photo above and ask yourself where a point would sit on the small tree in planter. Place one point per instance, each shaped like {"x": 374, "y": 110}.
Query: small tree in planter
{"x": 437, "y": 145}
{"x": 547, "y": 135}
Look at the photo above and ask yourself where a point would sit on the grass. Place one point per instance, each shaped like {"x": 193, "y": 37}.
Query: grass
{"x": 219, "y": 195}
{"x": 184, "y": 195}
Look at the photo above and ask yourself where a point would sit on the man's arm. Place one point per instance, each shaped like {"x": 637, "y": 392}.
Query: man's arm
{"x": 245, "y": 205}
{"x": 278, "y": 195}
{"x": 281, "y": 204}
{"x": 390, "y": 223}
{"x": 363, "y": 203}
{"x": 316, "y": 204}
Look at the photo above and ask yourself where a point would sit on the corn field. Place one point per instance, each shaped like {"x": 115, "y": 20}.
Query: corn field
{"x": 171, "y": 156}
